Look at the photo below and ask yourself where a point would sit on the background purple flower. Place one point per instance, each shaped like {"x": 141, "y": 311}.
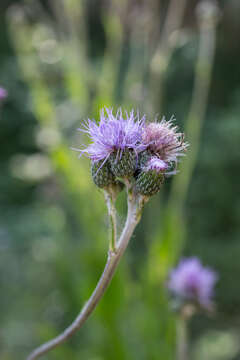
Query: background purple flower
{"x": 3, "y": 93}
{"x": 113, "y": 133}
{"x": 192, "y": 281}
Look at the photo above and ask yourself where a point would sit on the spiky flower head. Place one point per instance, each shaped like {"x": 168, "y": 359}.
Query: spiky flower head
{"x": 3, "y": 93}
{"x": 164, "y": 141}
{"x": 192, "y": 282}
{"x": 124, "y": 146}
{"x": 113, "y": 134}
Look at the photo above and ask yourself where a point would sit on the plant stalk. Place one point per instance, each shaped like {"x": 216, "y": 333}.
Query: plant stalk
{"x": 182, "y": 338}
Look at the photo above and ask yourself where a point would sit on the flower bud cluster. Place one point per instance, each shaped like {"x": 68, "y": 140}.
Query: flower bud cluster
{"x": 125, "y": 146}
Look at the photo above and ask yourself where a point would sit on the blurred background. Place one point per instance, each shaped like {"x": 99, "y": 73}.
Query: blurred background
{"x": 61, "y": 61}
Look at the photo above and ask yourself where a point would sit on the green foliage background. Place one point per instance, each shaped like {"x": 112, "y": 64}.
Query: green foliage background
{"x": 61, "y": 61}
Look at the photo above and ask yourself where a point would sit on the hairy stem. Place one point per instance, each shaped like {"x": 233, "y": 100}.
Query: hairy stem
{"x": 135, "y": 205}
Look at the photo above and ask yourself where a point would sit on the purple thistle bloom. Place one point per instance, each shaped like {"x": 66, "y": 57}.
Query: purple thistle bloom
{"x": 193, "y": 282}
{"x": 114, "y": 133}
{"x": 164, "y": 141}
{"x": 3, "y": 93}
{"x": 156, "y": 164}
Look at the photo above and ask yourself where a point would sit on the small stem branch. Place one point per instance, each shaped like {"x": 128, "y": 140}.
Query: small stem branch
{"x": 134, "y": 214}
{"x": 110, "y": 201}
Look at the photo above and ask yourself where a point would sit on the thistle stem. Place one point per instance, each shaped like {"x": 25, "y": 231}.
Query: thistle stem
{"x": 182, "y": 338}
{"x": 135, "y": 205}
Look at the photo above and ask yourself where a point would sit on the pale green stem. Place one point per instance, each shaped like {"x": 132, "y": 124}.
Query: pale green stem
{"x": 194, "y": 122}
{"x": 172, "y": 239}
{"x": 135, "y": 205}
{"x": 164, "y": 51}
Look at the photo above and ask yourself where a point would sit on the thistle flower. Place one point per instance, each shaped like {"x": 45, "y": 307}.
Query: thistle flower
{"x": 116, "y": 138}
{"x": 113, "y": 134}
{"x": 165, "y": 142}
{"x": 193, "y": 282}
{"x": 124, "y": 146}
{"x": 163, "y": 146}
{"x": 3, "y": 93}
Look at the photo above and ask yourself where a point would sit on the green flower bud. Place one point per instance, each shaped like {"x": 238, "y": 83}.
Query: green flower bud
{"x": 102, "y": 175}
{"x": 123, "y": 165}
{"x": 148, "y": 183}
{"x": 151, "y": 176}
